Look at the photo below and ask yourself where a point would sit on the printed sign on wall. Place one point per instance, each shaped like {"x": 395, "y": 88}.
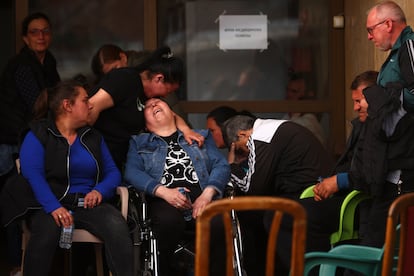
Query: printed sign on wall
{"x": 238, "y": 32}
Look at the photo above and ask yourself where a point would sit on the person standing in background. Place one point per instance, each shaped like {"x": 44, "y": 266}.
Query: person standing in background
{"x": 118, "y": 100}
{"x": 110, "y": 56}
{"x": 24, "y": 77}
{"x": 387, "y": 28}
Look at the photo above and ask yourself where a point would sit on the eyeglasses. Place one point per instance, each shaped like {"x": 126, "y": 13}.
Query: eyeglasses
{"x": 37, "y": 32}
{"x": 371, "y": 29}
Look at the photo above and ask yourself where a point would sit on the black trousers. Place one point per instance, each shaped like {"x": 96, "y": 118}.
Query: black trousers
{"x": 322, "y": 217}
{"x": 373, "y": 217}
{"x": 169, "y": 227}
{"x": 373, "y": 220}
{"x": 104, "y": 221}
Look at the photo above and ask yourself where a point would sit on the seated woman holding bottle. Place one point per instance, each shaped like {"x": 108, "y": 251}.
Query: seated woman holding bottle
{"x": 161, "y": 163}
{"x": 71, "y": 174}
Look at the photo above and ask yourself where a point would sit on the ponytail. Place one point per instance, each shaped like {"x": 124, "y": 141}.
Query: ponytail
{"x": 50, "y": 100}
{"x": 162, "y": 61}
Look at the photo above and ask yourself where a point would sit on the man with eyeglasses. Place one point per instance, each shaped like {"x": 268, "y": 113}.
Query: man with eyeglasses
{"x": 387, "y": 28}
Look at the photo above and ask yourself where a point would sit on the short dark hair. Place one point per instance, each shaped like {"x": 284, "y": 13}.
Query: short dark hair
{"x": 221, "y": 114}
{"x": 309, "y": 80}
{"x": 232, "y": 126}
{"x": 30, "y": 18}
{"x": 369, "y": 78}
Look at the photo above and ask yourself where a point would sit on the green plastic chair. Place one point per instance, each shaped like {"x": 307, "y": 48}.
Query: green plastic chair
{"x": 346, "y": 229}
{"x": 364, "y": 259}
{"x": 395, "y": 258}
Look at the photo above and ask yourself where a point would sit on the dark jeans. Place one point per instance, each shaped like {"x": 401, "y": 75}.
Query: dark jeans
{"x": 169, "y": 227}
{"x": 104, "y": 221}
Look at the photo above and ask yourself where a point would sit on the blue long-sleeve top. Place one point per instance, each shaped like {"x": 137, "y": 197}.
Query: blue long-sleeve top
{"x": 82, "y": 171}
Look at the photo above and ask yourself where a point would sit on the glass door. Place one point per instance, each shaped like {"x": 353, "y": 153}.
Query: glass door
{"x": 253, "y": 55}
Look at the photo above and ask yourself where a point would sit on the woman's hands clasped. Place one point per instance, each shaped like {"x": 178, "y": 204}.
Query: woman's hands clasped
{"x": 174, "y": 197}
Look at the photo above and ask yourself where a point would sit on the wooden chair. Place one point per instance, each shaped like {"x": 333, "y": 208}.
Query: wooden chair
{"x": 400, "y": 212}
{"x": 82, "y": 235}
{"x": 281, "y": 206}
{"x": 395, "y": 258}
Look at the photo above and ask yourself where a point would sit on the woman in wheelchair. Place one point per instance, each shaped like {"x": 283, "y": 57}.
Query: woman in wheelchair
{"x": 64, "y": 162}
{"x": 161, "y": 162}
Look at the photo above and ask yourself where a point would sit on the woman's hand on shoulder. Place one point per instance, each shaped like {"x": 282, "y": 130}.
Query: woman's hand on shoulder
{"x": 190, "y": 136}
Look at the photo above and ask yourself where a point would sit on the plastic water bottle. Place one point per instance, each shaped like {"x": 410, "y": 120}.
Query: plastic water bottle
{"x": 65, "y": 240}
{"x": 188, "y": 213}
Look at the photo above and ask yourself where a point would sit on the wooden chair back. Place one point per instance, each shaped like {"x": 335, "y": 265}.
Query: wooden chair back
{"x": 400, "y": 212}
{"x": 280, "y": 206}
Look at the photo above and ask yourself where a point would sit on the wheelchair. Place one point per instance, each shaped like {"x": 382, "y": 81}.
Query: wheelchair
{"x": 144, "y": 241}
{"x": 145, "y": 244}
{"x": 238, "y": 268}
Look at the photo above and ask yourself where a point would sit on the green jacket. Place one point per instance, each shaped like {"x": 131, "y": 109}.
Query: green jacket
{"x": 398, "y": 67}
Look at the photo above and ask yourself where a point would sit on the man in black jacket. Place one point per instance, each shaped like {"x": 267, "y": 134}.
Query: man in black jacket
{"x": 376, "y": 154}
{"x": 284, "y": 158}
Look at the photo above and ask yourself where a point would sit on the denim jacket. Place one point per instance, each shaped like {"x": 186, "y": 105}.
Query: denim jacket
{"x": 147, "y": 154}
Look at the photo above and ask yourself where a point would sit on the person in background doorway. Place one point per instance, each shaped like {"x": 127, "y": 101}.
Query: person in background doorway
{"x": 298, "y": 88}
